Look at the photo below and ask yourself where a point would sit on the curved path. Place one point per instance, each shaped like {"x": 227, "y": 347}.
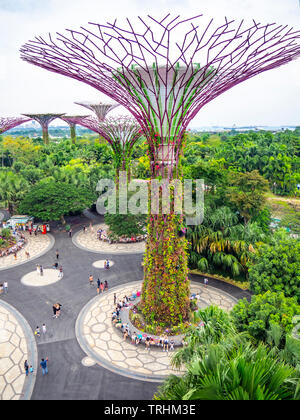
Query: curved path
{"x": 71, "y": 375}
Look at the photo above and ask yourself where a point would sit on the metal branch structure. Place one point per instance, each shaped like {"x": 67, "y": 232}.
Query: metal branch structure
{"x": 72, "y": 121}
{"x": 101, "y": 109}
{"x": 6, "y": 123}
{"x": 44, "y": 120}
{"x": 164, "y": 71}
{"x": 121, "y": 133}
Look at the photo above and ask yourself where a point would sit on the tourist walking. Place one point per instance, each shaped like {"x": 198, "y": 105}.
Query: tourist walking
{"x": 38, "y": 269}
{"x": 58, "y": 306}
{"x": 101, "y": 287}
{"x": 115, "y": 299}
{"x": 5, "y": 286}
{"x": 70, "y": 233}
{"x": 105, "y": 285}
{"x": 41, "y": 270}
{"x": 60, "y": 272}
{"x": 37, "y": 332}
{"x": 54, "y": 311}
{"x": 205, "y": 281}
{"x": 26, "y": 367}
{"x": 84, "y": 229}
{"x": 98, "y": 286}
{"x": 91, "y": 280}
{"x": 44, "y": 329}
{"x": 57, "y": 254}
{"x": 27, "y": 254}
{"x": 166, "y": 344}
{"x": 44, "y": 366}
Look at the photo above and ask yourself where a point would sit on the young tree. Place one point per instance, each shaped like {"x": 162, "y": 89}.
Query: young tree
{"x": 256, "y": 316}
{"x": 277, "y": 268}
{"x": 52, "y": 200}
{"x": 246, "y": 193}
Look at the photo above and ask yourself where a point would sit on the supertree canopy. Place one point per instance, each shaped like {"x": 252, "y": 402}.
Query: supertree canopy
{"x": 72, "y": 120}
{"x": 101, "y": 109}
{"x": 44, "y": 120}
{"x": 121, "y": 133}
{"x": 6, "y": 123}
{"x": 164, "y": 71}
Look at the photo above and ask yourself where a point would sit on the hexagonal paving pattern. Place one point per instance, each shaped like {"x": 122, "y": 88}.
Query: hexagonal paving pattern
{"x": 14, "y": 350}
{"x": 88, "y": 240}
{"x": 36, "y": 246}
{"x": 105, "y": 344}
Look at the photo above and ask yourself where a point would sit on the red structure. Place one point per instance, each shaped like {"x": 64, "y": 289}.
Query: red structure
{"x": 121, "y": 133}
{"x": 72, "y": 120}
{"x": 44, "y": 120}
{"x": 11, "y": 122}
{"x": 101, "y": 109}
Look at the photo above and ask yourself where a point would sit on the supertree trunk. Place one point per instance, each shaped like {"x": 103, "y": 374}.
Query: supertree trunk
{"x": 73, "y": 133}
{"x": 165, "y": 293}
{"x": 45, "y": 135}
{"x": 166, "y": 287}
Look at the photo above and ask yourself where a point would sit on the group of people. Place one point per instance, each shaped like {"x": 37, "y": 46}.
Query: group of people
{"x": 137, "y": 337}
{"x": 21, "y": 241}
{"x": 102, "y": 235}
{"x": 43, "y": 364}
{"x": 38, "y": 331}
{"x": 101, "y": 287}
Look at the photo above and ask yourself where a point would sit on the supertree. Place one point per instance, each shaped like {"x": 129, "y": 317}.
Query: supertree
{"x": 101, "y": 109}
{"x": 72, "y": 121}
{"x": 121, "y": 133}
{"x": 6, "y": 123}
{"x": 164, "y": 71}
{"x": 44, "y": 120}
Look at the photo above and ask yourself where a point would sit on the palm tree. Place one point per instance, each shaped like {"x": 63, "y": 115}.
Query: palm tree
{"x": 233, "y": 370}
{"x": 12, "y": 188}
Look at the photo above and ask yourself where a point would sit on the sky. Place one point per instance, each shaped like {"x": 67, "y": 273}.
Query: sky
{"x": 271, "y": 98}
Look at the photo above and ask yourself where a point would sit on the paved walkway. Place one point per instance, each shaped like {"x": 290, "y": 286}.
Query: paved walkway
{"x": 17, "y": 344}
{"x": 104, "y": 343}
{"x": 69, "y": 378}
{"x": 89, "y": 241}
{"x": 36, "y": 246}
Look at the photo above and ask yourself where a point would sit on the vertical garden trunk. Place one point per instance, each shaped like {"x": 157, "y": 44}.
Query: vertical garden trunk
{"x": 45, "y": 135}
{"x": 165, "y": 294}
{"x": 73, "y": 133}
{"x": 166, "y": 290}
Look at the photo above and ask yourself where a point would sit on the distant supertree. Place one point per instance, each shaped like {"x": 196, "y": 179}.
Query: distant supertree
{"x": 44, "y": 120}
{"x": 121, "y": 133}
{"x": 6, "y": 123}
{"x": 72, "y": 120}
{"x": 101, "y": 109}
{"x": 164, "y": 71}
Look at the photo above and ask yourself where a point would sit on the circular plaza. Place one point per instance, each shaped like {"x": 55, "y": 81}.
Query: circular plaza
{"x": 35, "y": 246}
{"x": 88, "y": 241}
{"x": 17, "y": 344}
{"x": 104, "y": 343}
